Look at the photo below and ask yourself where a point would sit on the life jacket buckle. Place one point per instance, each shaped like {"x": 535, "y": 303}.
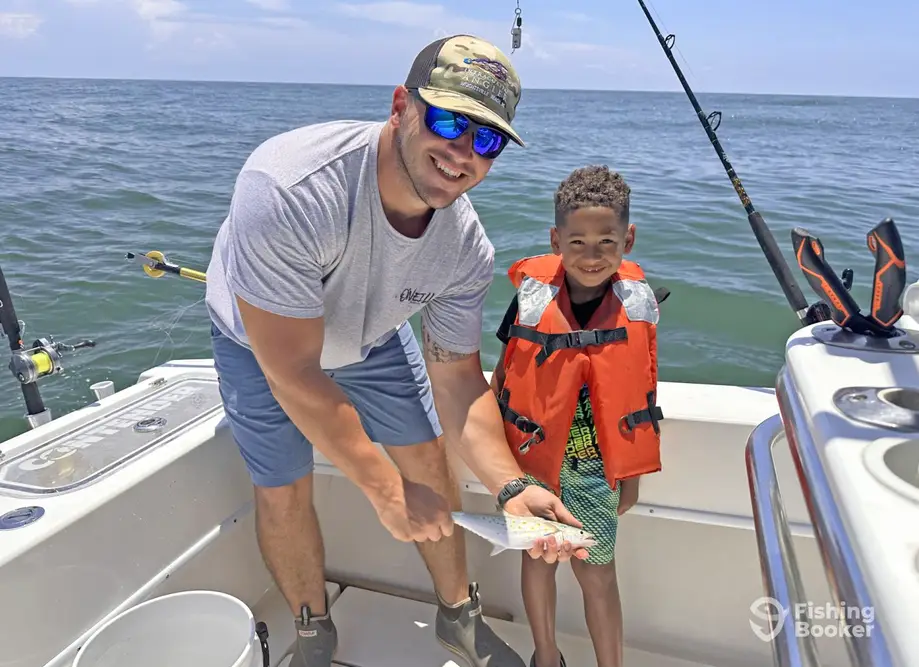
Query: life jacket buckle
{"x": 627, "y": 423}
{"x": 537, "y": 437}
{"x": 581, "y": 338}
{"x": 520, "y": 422}
{"x": 650, "y": 415}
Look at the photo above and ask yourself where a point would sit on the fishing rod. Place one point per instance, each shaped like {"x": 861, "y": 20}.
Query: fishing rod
{"x": 819, "y": 311}
{"x": 156, "y": 265}
{"x": 29, "y": 364}
{"x": 44, "y": 357}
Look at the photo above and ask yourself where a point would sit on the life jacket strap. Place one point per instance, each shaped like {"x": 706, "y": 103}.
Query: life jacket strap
{"x": 651, "y": 414}
{"x": 524, "y": 424}
{"x": 553, "y": 342}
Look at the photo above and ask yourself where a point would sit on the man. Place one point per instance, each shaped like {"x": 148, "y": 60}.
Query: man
{"x": 337, "y": 233}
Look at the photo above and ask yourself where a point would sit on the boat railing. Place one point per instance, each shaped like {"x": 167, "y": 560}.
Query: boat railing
{"x": 781, "y": 575}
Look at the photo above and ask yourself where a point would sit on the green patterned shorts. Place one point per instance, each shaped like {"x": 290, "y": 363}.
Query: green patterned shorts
{"x": 587, "y": 495}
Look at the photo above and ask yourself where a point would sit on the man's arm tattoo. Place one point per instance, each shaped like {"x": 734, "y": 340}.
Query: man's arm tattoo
{"x": 434, "y": 352}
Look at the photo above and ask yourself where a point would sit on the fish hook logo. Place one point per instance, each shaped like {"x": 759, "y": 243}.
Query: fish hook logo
{"x": 770, "y": 610}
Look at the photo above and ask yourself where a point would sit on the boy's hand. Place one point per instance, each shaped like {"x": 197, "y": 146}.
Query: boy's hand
{"x": 628, "y": 494}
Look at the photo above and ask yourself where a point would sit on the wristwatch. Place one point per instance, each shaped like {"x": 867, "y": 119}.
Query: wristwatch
{"x": 511, "y": 489}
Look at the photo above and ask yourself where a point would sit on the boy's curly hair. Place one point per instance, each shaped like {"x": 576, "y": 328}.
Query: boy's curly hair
{"x": 594, "y": 185}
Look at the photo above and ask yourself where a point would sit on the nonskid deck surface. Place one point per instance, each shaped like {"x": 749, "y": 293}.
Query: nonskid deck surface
{"x": 380, "y": 630}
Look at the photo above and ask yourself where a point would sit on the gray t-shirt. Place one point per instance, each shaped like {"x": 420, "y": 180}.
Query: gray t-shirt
{"x": 306, "y": 236}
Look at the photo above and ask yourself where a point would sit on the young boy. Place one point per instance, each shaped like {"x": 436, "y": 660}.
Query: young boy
{"x": 576, "y": 383}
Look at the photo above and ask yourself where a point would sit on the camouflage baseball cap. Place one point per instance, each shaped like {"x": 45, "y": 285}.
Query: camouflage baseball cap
{"x": 468, "y": 75}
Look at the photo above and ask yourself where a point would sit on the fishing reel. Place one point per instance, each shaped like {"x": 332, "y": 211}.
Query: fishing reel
{"x": 877, "y": 329}
{"x": 42, "y": 359}
{"x": 155, "y": 265}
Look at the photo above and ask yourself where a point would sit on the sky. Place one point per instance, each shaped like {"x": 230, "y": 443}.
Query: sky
{"x": 809, "y": 47}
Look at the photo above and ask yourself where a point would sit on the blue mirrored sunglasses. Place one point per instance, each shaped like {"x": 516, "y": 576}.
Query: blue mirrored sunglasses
{"x": 488, "y": 142}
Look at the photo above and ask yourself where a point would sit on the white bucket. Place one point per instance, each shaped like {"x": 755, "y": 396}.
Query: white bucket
{"x": 186, "y": 629}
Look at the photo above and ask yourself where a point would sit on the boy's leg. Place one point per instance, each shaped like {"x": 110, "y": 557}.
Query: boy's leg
{"x": 393, "y": 396}
{"x": 586, "y": 492}
{"x": 280, "y": 464}
{"x": 537, "y": 585}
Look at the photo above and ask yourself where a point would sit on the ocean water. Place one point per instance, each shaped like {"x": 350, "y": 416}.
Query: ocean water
{"x": 90, "y": 170}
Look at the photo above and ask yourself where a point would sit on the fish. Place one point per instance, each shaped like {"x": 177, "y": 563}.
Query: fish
{"x": 510, "y": 531}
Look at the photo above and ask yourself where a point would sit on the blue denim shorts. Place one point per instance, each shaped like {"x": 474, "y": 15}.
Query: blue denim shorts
{"x": 390, "y": 390}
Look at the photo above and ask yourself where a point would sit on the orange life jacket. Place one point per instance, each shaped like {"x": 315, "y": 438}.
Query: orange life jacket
{"x": 549, "y": 359}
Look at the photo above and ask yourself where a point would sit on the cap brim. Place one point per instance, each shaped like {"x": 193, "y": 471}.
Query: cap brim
{"x": 462, "y": 104}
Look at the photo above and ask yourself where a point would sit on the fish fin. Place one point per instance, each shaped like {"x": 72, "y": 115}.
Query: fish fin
{"x": 476, "y": 530}
{"x": 497, "y": 549}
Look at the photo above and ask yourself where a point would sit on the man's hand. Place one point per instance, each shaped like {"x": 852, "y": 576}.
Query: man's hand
{"x": 413, "y": 512}
{"x": 537, "y": 501}
{"x": 288, "y": 351}
{"x": 472, "y": 425}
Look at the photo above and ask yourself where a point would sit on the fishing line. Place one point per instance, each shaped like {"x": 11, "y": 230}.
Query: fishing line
{"x": 682, "y": 57}
{"x": 168, "y": 328}
{"x": 155, "y": 264}
{"x": 47, "y": 305}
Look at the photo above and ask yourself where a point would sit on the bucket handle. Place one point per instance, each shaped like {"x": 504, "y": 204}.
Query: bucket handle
{"x": 261, "y": 629}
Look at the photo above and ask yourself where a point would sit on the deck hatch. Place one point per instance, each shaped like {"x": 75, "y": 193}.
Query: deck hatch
{"x": 84, "y": 454}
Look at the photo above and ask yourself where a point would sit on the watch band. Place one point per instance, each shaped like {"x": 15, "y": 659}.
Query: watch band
{"x": 511, "y": 489}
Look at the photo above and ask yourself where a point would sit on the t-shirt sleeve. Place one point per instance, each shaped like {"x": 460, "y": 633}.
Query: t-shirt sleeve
{"x": 274, "y": 253}
{"x": 453, "y": 319}
{"x": 503, "y": 333}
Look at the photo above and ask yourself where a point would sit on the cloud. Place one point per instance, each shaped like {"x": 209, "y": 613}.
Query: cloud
{"x": 179, "y": 32}
{"x": 408, "y": 14}
{"x": 272, "y": 39}
{"x": 19, "y": 26}
{"x": 576, "y": 17}
{"x": 176, "y": 23}
{"x": 435, "y": 17}
{"x": 154, "y": 10}
{"x": 171, "y": 21}
{"x": 436, "y": 20}
{"x": 579, "y": 47}
{"x": 271, "y": 5}
{"x": 168, "y": 18}
{"x": 286, "y": 22}
{"x": 161, "y": 15}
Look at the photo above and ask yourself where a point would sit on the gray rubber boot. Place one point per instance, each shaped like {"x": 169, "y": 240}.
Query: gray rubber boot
{"x": 560, "y": 655}
{"x": 463, "y": 631}
{"x": 317, "y": 639}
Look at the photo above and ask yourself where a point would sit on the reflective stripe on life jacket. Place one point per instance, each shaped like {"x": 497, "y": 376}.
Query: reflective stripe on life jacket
{"x": 549, "y": 358}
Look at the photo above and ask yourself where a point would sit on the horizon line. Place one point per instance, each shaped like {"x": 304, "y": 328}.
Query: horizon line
{"x": 679, "y": 91}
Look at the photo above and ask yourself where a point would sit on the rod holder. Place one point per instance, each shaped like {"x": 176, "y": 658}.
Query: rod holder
{"x": 103, "y": 389}
{"x": 39, "y": 418}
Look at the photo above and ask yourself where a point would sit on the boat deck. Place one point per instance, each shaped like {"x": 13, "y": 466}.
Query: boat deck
{"x": 381, "y": 630}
